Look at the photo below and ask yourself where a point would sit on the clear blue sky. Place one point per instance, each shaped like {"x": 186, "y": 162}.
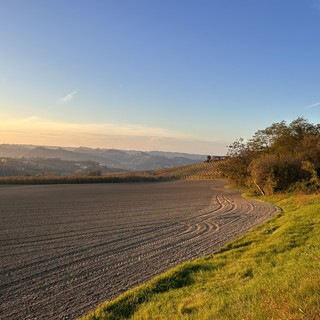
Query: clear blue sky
{"x": 175, "y": 75}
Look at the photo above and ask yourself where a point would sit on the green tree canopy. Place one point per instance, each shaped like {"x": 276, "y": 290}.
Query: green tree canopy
{"x": 276, "y": 158}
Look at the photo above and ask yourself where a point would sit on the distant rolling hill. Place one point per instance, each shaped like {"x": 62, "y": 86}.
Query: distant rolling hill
{"x": 14, "y": 151}
{"x": 125, "y": 160}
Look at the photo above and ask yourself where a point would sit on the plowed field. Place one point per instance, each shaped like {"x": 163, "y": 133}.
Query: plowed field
{"x": 66, "y": 248}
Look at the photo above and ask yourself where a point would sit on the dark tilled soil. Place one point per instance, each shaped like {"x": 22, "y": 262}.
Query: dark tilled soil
{"x": 66, "y": 248}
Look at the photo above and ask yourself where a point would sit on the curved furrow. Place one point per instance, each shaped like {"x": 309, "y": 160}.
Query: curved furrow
{"x": 119, "y": 247}
{"x": 86, "y": 254}
{"x": 163, "y": 245}
{"x": 142, "y": 244}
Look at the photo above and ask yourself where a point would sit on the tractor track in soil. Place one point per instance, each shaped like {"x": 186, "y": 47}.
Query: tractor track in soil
{"x": 66, "y": 248}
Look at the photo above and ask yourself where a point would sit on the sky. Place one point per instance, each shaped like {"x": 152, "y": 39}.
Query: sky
{"x": 170, "y": 75}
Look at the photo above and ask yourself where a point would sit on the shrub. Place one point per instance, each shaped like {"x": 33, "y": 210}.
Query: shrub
{"x": 279, "y": 158}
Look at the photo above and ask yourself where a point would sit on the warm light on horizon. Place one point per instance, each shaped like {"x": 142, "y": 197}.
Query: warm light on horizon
{"x": 37, "y": 131}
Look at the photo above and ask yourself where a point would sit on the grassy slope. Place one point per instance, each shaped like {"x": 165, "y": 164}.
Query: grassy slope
{"x": 273, "y": 272}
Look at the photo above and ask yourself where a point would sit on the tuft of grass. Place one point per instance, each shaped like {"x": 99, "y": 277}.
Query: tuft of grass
{"x": 126, "y": 305}
{"x": 273, "y": 272}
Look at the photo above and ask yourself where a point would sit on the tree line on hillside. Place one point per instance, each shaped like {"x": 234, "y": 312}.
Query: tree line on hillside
{"x": 282, "y": 157}
{"x": 49, "y": 166}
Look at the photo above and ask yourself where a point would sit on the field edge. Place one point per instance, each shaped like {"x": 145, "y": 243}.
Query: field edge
{"x": 281, "y": 230}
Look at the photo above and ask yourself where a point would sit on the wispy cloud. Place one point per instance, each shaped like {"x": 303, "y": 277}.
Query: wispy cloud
{"x": 67, "y": 98}
{"x": 313, "y": 105}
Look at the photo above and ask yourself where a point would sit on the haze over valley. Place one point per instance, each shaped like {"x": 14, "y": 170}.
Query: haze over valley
{"x": 29, "y": 159}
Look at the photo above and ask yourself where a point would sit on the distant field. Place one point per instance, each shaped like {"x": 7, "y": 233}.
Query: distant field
{"x": 66, "y": 248}
{"x": 198, "y": 171}
{"x": 202, "y": 170}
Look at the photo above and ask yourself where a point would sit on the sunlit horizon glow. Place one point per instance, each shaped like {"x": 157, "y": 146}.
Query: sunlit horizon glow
{"x": 181, "y": 76}
{"x": 36, "y": 131}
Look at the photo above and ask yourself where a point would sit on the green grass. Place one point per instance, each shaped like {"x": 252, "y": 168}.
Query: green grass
{"x": 273, "y": 272}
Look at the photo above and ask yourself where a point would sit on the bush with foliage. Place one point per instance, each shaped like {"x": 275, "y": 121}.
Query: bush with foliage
{"x": 279, "y": 158}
